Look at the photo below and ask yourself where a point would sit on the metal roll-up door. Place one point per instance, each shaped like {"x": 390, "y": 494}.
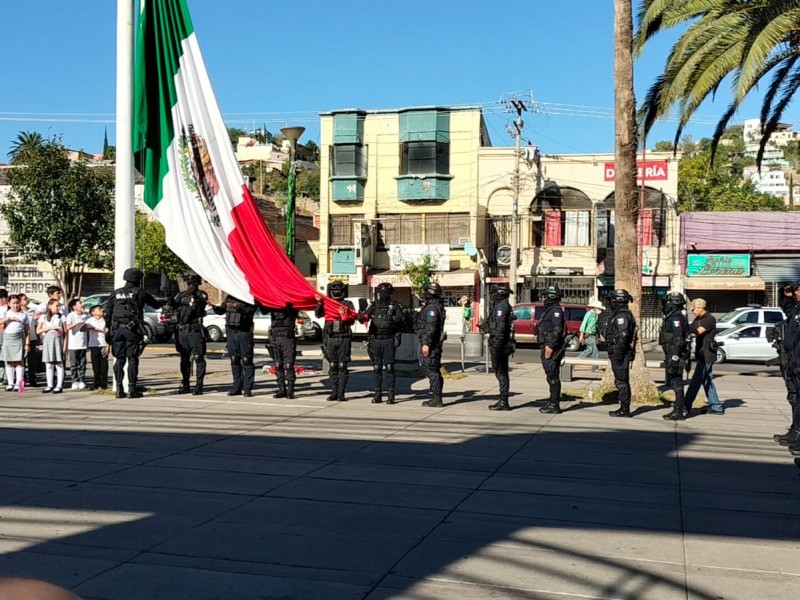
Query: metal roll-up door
{"x": 777, "y": 268}
{"x": 721, "y": 301}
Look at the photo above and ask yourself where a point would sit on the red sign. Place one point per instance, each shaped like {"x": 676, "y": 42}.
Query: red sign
{"x": 655, "y": 170}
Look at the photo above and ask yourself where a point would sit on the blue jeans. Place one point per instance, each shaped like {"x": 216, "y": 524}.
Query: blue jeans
{"x": 702, "y": 376}
{"x": 591, "y": 348}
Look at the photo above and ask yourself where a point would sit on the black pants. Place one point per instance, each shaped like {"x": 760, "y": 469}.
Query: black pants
{"x": 99, "y": 367}
{"x": 790, "y": 379}
{"x": 32, "y": 361}
{"x": 622, "y": 378}
{"x": 284, "y": 353}
{"x": 674, "y": 379}
{"x": 192, "y": 343}
{"x": 382, "y": 353}
{"x": 240, "y": 349}
{"x": 433, "y": 369}
{"x": 336, "y": 349}
{"x": 125, "y": 348}
{"x": 499, "y": 355}
{"x": 553, "y": 375}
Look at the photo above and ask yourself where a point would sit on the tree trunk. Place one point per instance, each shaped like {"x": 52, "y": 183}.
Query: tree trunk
{"x": 627, "y": 270}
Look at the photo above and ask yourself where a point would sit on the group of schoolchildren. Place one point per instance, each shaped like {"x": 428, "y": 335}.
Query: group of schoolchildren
{"x": 60, "y": 331}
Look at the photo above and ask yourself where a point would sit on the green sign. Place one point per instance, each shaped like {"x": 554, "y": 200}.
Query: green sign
{"x": 718, "y": 265}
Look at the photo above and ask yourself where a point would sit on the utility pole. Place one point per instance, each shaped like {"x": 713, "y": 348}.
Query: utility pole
{"x": 518, "y": 106}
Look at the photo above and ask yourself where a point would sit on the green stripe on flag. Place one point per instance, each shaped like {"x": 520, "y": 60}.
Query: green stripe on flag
{"x": 163, "y": 25}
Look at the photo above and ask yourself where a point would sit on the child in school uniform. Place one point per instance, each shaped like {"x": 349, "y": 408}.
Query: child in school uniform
{"x": 51, "y": 330}
{"x": 32, "y": 357}
{"x": 98, "y": 350}
{"x": 76, "y": 343}
{"x": 16, "y": 341}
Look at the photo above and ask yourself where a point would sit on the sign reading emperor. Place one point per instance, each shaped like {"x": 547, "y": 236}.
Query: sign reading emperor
{"x": 652, "y": 170}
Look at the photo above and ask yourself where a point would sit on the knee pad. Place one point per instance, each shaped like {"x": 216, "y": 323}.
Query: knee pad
{"x": 376, "y": 369}
{"x": 342, "y": 366}
{"x": 236, "y": 360}
{"x": 390, "y": 367}
{"x": 333, "y": 367}
{"x": 288, "y": 367}
{"x": 247, "y": 361}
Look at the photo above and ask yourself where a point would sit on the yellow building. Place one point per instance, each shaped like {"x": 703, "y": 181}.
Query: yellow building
{"x": 398, "y": 185}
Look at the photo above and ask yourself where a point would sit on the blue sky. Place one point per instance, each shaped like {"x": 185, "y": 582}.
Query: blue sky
{"x": 281, "y": 63}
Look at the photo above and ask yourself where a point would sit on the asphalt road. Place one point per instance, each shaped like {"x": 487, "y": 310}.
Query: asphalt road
{"x": 525, "y": 353}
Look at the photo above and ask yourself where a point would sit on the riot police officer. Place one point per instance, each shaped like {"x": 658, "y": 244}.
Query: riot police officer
{"x": 551, "y": 334}
{"x": 190, "y": 342}
{"x": 336, "y": 339}
{"x": 790, "y": 330}
{"x": 385, "y": 327}
{"x": 674, "y": 340}
{"x": 126, "y": 319}
{"x": 500, "y": 327}
{"x": 430, "y": 333}
{"x": 283, "y": 343}
{"x": 239, "y": 332}
{"x": 620, "y": 337}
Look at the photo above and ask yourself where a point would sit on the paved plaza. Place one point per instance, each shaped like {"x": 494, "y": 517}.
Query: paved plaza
{"x": 185, "y": 497}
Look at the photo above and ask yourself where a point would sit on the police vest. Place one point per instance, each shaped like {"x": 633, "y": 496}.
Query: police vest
{"x": 383, "y": 318}
{"x": 282, "y": 322}
{"x": 188, "y": 306}
{"x": 125, "y": 308}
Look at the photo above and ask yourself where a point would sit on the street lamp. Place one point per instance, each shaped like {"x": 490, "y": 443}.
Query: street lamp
{"x": 292, "y": 134}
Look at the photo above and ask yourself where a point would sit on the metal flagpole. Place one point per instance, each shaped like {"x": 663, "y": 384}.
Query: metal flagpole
{"x": 123, "y": 194}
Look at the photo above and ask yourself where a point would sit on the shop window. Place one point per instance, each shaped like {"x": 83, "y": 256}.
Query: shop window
{"x": 452, "y": 229}
{"x": 567, "y": 228}
{"x": 342, "y": 230}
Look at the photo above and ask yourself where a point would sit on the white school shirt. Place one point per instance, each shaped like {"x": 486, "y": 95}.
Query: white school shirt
{"x": 32, "y": 321}
{"x": 77, "y": 337}
{"x": 55, "y": 321}
{"x": 97, "y": 339}
{"x": 16, "y": 325}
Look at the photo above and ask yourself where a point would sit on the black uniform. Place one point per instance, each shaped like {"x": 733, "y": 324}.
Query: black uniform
{"x": 239, "y": 331}
{"x": 190, "y": 341}
{"x": 283, "y": 344}
{"x": 385, "y": 326}
{"x": 126, "y": 319}
{"x": 336, "y": 339}
{"x": 785, "y": 348}
{"x": 674, "y": 340}
{"x": 500, "y": 327}
{"x": 430, "y": 332}
{"x": 620, "y": 338}
{"x": 551, "y": 335}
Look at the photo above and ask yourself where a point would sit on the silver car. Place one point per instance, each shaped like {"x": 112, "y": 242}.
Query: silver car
{"x": 745, "y": 343}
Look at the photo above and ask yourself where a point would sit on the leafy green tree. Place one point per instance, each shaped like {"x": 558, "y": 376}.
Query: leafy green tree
{"x": 25, "y": 146}
{"x": 664, "y": 146}
{"x": 62, "y": 213}
{"x": 234, "y": 133}
{"x": 313, "y": 150}
{"x": 419, "y": 274}
{"x": 110, "y": 153}
{"x": 746, "y": 40}
{"x": 151, "y": 251}
{"x": 308, "y": 182}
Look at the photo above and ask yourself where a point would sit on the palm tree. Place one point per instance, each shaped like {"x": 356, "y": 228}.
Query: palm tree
{"x": 748, "y": 40}
{"x": 26, "y": 144}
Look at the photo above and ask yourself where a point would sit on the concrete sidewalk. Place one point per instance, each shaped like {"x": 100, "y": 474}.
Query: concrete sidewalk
{"x": 184, "y": 497}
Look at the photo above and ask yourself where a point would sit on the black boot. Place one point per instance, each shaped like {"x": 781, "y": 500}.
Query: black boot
{"x": 290, "y": 390}
{"x": 390, "y": 397}
{"x": 622, "y": 411}
{"x": 135, "y": 393}
{"x": 434, "y": 402}
{"x": 235, "y": 392}
{"x": 501, "y": 404}
{"x": 334, "y": 394}
{"x": 791, "y": 438}
{"x": 198, "y": 388}
{"x": 779, "y": 436}
{"x": 553, "y": 407}
{"x": 376, "y": 397}
{"x": 676, "y": 415}
{"x": 281, "y": 393}
{"x": 120, "y": 393}
{"x": 184, "y": 389}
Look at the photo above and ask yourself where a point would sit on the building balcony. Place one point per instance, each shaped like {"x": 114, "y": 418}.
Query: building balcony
{"x": 423, "y": 187}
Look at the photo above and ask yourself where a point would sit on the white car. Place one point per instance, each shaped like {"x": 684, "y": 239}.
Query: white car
{"x": 746, "y": 343}
{"x": 750, "y": 315}
{"x": 215, "y": 326}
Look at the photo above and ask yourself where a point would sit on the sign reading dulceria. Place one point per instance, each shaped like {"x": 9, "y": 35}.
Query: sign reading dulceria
{"x": 651, "y": 170}
{"x": 718, "y": 265}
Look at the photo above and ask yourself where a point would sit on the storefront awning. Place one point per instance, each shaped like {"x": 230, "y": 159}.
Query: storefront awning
{"x": 457, "y": 278}
{"x": 724, "y": 283}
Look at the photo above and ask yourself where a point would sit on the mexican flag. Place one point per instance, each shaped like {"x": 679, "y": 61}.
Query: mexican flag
{"x": 193, "y": 183}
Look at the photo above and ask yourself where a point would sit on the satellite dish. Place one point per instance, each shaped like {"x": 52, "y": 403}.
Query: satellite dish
{"x": 470, "y": 248}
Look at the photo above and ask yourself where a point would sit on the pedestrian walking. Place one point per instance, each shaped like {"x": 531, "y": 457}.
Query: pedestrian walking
{"x": 50, "y": 328}
{"x": 551, "y": 332}
{"x": 190, "y": 340}
{"x": 283, "y": 346}
{"x": 499, "y": 325}
{"x": 239, "y": 317}
{"x": 620, "y": 337}
{"x": 431, "y": 335}
{"x": 588, "y": 332}
{"x": 674, "y": 340}
{"x": 336, "y": 339}
{"x": 704, "y": 327}
{"x": 386, "y": 320}
{"x": 16, "y": 342}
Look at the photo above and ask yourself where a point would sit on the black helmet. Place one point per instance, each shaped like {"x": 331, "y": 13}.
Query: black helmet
{"x": 620, "y": 299}
{"x": 133, "y": 275}
{"x": 433, "y": 290}
{"x": 500, "y": 292}
{"x": 672, "y": 302}
{"x": 337, "y": 290}
{"x": 552, "y": 295}
{"x": 194, "y": 279}
{"x": 385, "y": 290}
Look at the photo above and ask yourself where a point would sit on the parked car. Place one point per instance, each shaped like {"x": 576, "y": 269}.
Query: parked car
{"x": 155, "y": 321}
{"x": 753, "y": 314}
{"x": 215, "y": 326}
{"x": 527, "y": 318}
{"x": 745, "y": 342}
{"x": 90, "y": 301}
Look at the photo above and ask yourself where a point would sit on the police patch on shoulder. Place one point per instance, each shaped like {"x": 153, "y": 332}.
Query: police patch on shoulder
{"x": 556, "y": 314}
{"x": 676, "y": 323}
{"x": 499, "y": 313}
{"x": 620, "y": 320}
{"x": 431, "y": 313}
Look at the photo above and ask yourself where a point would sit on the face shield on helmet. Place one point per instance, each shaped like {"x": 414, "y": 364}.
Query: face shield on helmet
{"x": 193, "y": 282}
{"x": 337, "y": 290}
{"x": 619, "y": 299}
{"x": 385, "y": 291}
{"x": 433, "y": 290}
{"x": 499, "y": 292}
{"x": 672, "y": 302}
{"x": 551, "y": 295}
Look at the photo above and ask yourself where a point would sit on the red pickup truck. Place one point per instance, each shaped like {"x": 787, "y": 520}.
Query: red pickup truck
{"x": 528, "y": 315}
